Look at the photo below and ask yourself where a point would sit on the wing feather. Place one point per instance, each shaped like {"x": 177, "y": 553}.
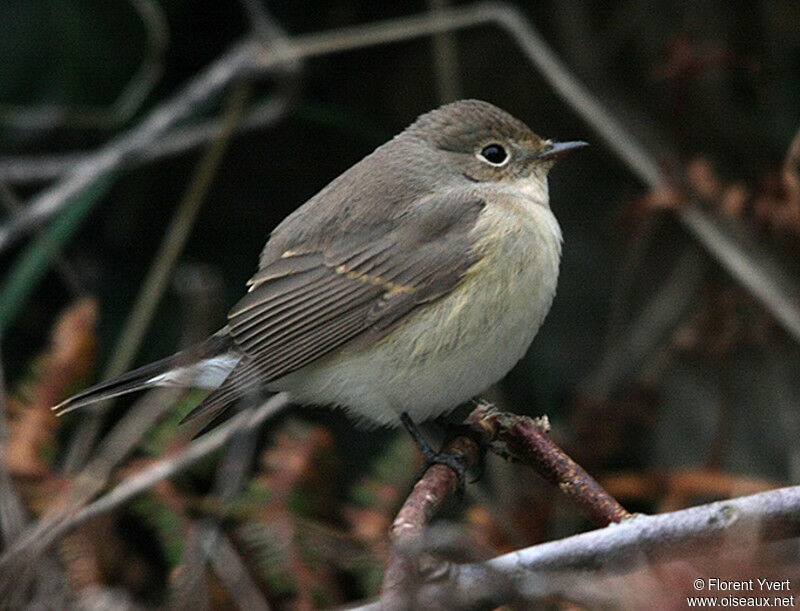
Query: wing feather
{"x": 275, "y": 305}
{"x": 305, "y": 320}
{"x": 260, "y": 321}
{"x": 294, "y": 310}
{"x": 280, "y": 291}
{"x": 311, "y": 297}
{"x": 247, "y": 377}
{"x": 290, "y": 264}
{"x": 305, "y": 348}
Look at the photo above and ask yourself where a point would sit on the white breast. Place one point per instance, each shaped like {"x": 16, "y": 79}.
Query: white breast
{"x": 447, "y": 352}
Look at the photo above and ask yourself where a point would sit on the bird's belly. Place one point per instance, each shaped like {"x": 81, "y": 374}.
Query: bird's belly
{"x": 448, "y": 351}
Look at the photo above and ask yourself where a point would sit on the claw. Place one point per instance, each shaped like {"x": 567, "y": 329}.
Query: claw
{"x": 459, "y": 429}
{"x": 454, "y": 460}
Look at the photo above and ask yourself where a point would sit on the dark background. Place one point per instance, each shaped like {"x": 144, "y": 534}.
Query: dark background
{"x": 717, "y": 391}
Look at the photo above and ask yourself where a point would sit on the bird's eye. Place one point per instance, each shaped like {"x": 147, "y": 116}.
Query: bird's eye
{"x": 494, "y": 154}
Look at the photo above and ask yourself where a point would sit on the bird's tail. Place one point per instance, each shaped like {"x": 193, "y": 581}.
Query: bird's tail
{"x": 205, "y": 365}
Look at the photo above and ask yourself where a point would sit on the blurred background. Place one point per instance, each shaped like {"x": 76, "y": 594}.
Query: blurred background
{"x": 137, "y": 192}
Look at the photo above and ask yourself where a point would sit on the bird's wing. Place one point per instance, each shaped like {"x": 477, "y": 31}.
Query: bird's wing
{"x": 312, "y": 300}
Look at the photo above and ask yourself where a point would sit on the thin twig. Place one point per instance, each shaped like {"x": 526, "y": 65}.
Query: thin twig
{"x": 157, "y": 279}
{"x": 231, "y": 474}
{"x": 130, "y": 99}
{"x": 64, "y": 269}
{"x": 228, "y": 565}
{"x": 188, "y": 586}
{"x": 752, "y": 266}
{"x": 271, "y": 35}
{"x": 762, "y": 276}
{"x": 47, "y": 532}
{"x": 118, "y": 444}
{"x": 12, "y": 512}
{"x": 238, "y": 62}
{"x": 168, "y": 467}
{"x": 22, "y": 169}
{"x": 445, "y": 59}
{"x": 234, "y": 466}
{"x": 526, "y": 440}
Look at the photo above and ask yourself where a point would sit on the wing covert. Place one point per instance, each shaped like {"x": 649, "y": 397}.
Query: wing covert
{"x": 315, "y": 298}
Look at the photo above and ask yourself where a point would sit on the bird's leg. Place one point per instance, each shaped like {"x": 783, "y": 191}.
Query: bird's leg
{"x": 454, "y": 429}
{"x": 452, "y": 460}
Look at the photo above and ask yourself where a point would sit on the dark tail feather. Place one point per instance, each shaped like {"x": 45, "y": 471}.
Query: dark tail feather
{"x": 137, "y": 379}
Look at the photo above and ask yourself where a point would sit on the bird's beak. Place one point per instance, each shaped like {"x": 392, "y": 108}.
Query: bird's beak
{"x": 557, "y": 150}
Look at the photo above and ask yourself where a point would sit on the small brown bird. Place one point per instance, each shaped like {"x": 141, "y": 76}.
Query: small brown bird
{"x": 408, "y": 285}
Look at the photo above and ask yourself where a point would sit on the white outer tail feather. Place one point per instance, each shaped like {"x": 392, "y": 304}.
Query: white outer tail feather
{"x": 207, "y": 374}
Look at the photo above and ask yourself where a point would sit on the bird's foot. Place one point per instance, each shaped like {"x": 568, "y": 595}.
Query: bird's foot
{"x": 459, "y": 429}
{"x": 454, "y": 460}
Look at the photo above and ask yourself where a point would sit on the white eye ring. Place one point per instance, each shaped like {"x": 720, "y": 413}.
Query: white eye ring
{"x": 495, "y": 154}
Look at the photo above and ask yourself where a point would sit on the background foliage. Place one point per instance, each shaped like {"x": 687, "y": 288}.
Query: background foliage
{"x": 699, "y": 403}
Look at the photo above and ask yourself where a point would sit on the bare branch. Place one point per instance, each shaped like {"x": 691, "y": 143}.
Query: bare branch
{"x": 510, "y": 436}
{"x": 36, "y": 540}
{"x": 762, "y": 518}
{"x": 526, "y": 440}
{"x": 130, "y": 99}
{"x": 242, "y": 60}
{"x": 24, "y": 169}
{"x": 438, "y": 483}
{"x": 158, "y": 276}
{"x": 761, "y": 275}
{"x": 572, "y": 567}
{"x": 749, "y": 263}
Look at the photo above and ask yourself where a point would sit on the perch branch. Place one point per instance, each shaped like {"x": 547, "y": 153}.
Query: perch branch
{"x": 510, "y": 436}
{"x": 568, "y": 566}
{"x": 526, "y": 440}
{"x": 432, "y": 489}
